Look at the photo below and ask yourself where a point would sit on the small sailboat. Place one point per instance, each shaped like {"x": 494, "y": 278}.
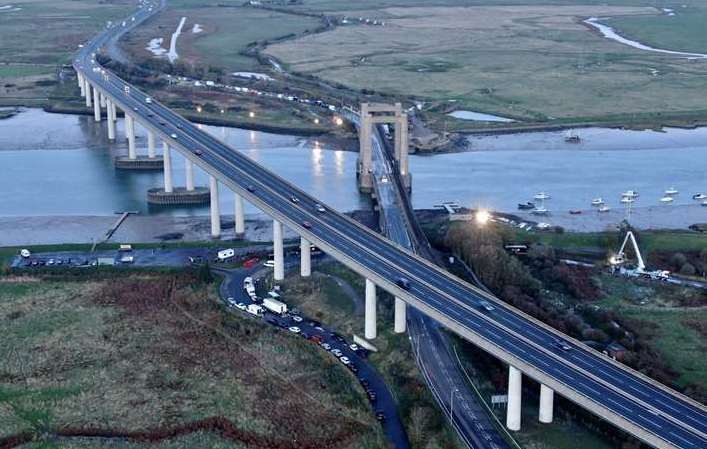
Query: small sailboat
{"x": 540, "y": 211}
{"x": 571, "y": 136}
{"x": 542, "y": 196}
{"x": 630, "y": 194}
{"x": 671, "y": 191}
{"x": 597, "y": 202}
{"x": 699, "y": 196}
{"x": 667, "y": 199}
{"x": 604, "y": 208}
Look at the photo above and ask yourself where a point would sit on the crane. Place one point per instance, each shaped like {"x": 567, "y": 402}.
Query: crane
{"x": 616, "y": 261}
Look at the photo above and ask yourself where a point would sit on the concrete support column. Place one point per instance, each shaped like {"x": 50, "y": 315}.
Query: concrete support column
{"x": 103, "y": 100}
{"x": 215, "y": 213}
{"x": 396, "y": 145}
{"x": 240, "y": 215}
{"x": 547, "y": 396}
{"x": 130, "y": 134}
{"x": 515, "y": 379}
{"x": 87, "y": 89}
{"x": 400, "y": 315}
{"x": 189, "y": 173}
{"x": 167, "y": 167}
{"x": 114, "y": 111}
{"x": 370, "y": 331}
{"x": 365, "y": 149}
{"x": 96, "y": 105}
{"x": 82, "y": 84}
{"x": 150, "y": 144}
{"x": 404, "y": 144}
{"x": 111, "y": 124}
{"x": 279, "y": 252}
{"x": 305, "y": 250}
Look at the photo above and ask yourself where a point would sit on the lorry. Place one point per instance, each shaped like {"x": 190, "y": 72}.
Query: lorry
{"x": 275, "y": 306}
{"x": 249, "y": 287}
{"x": 225, "y": 254}
{"x": 254, "y": 309}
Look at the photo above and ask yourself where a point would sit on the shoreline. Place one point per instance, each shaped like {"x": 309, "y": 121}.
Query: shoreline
{"x": 58, "y": 229}
{"x": 200, "y": 119}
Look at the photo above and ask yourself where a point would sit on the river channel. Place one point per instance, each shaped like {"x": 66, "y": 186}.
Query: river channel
{"x": 54, "y": 165}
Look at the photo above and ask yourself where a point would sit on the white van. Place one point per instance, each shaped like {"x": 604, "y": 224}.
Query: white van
{"x": 225, "y": 254}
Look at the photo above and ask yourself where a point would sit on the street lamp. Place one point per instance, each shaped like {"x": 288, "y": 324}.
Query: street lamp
{"x": 251, "y": 114}
{"x": 482, "y": 216}
{"x": 339, "y": 121}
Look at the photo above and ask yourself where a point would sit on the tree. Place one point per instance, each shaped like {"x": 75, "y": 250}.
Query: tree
{"x": 204, "y": 275}
{"x": 687, "y": 269}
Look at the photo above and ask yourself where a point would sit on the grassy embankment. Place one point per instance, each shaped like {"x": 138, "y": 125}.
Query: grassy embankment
{"x": 535, "y": 62}
{"x": 323, "y": 299}
{"x": 153, "y": 358}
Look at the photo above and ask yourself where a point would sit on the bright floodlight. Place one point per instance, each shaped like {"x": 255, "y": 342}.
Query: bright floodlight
{"x": 339, "y": 121}
{"x": 251, "y": 114}
{"x": 482, "y": 216}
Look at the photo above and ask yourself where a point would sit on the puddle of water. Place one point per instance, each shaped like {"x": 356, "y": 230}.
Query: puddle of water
{"x": 479, "y": 116}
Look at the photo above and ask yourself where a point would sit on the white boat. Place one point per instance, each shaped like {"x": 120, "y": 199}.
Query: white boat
{"x": 629, "y": 194}
{"x": 699, "y": 196}
{"x": 627, "y": 200}
{"x": 671, "y": 191}
{"x": 597, "y": 202}
{"x": 604, "y": 209}
{"x": 667, "y": 199}
{"x": 542, "y": 196}
{"x": 704, "y": 203}
{"x": 572, "y": 136}
{"x": 539, "y": 211}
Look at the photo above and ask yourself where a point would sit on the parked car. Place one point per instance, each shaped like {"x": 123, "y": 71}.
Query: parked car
{"x": 294, "y": 329}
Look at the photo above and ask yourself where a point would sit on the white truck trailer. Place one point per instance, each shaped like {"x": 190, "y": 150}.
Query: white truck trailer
{"x": 275, "y": 306}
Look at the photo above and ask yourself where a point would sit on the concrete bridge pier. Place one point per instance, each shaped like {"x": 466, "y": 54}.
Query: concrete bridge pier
{"x": 278, "y": 251}
{"x": 370, "y": 331}
{"x": 130, "y": 135}
{"x": 400, "y": 315}
{"x": 547, "y": 396}
{"x": 239, "y": 217}
{"x": 96, "y": 105}
{"x": 114, "y": 111}
{"x": 82, "y": 84}
{"x": 103, "y": 100}
{"x": 150, "y": 144}
{"x": 215, "y": 212}
{"x": 167, "y": 158}
{"x": 515, "y": 384}
{"x": 87, "y": 90}
{"x": 111, "y": 122}
{"x": 305, "y": 250}
{"x": 189, "y": 174}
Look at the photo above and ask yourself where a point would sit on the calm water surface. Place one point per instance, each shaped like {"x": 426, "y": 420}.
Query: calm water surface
{"x": 53, "y": 164}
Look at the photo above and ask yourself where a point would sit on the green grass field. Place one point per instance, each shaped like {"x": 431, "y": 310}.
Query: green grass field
{"x": 533, "y": 61}
{"x": 676, "y": 332}
{"x": 151, "y": 352}
{"x": 227, "y": 32}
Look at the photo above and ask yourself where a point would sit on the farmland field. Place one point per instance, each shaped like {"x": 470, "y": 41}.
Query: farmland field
{"x": 532, "y": 61}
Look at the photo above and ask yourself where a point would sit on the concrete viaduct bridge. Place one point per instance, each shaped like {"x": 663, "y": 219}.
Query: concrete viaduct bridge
{"x": 638, "y": 405}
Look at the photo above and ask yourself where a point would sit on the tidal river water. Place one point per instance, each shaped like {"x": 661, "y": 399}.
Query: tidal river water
{"x": 61, "y": 165}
